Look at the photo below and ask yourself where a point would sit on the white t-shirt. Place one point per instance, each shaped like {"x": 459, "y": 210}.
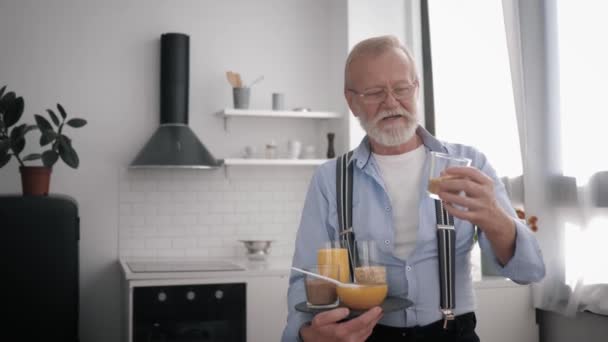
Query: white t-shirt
{"x": 402, "y": 175}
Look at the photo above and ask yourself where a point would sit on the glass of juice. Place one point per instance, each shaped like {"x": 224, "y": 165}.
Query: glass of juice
{"x": 440, "y": 162}
{"x": 333, "y": 253}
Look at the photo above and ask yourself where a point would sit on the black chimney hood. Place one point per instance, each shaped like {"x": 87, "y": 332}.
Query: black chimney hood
{"x": 174, "y": 145}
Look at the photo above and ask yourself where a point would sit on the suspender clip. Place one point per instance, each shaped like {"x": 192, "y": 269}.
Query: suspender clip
{"x": 448, "y": 315}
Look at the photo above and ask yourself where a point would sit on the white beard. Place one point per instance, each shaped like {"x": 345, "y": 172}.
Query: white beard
{"x": 395, "y": 134}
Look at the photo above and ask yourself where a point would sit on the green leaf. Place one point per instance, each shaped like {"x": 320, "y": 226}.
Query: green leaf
{"x": 4, "y": 159}
{"x": 77, "y": 122}
{"x": 67, "y": 153}
{"x": 32, "y": 156}
{"x": 43, "y": 123}
{"x": 5, "y": 145}
{"x": 14, "y": 111}
{"x": 4, "y": 101}
{"x": 17, "y": 138}
{"x": 47, "y": 137}
{"x": 29, "y": 128}
{"x": 12, "y": 107}
{"x": 49, "y": 158}
{"x": 62, "y": 111}
{"x": 18, "y": 145}
{"x": 53, "y": 117}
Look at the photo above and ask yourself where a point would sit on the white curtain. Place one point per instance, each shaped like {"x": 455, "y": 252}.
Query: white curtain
{"x": 566, "y": 206}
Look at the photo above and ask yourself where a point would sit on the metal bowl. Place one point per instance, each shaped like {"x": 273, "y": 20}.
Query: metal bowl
{"x": 257, "y": 249}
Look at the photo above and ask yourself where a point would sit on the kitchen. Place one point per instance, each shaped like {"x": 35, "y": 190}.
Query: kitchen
{"x": 101, "y": 60}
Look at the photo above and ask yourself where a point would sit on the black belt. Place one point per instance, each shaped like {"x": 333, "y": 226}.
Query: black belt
{"x": 461, "y": 328}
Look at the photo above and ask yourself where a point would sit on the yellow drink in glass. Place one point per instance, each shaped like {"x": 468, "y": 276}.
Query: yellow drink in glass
{"x": 335, "y": 256}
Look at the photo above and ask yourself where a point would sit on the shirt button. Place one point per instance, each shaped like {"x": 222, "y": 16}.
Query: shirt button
{"x": 408, "y": 268}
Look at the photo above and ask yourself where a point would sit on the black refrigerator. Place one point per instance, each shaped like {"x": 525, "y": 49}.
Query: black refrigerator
{"x": 39, "y": 237}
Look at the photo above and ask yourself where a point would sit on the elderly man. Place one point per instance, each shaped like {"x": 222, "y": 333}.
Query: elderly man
{"x": 390, "y": 177}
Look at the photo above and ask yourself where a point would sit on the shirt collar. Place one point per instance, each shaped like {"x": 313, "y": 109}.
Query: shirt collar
{"x": 363, "y": 152}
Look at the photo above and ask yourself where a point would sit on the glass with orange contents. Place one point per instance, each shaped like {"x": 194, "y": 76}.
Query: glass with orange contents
{"x": 334, "y": 254}
{"x": 369, "y": 275}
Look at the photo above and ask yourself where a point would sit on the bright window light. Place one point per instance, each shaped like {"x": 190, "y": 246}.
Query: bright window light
{"x": 472, "y": 82}
{"x": 583, "y": 53}
{"x": 583, "y": 253}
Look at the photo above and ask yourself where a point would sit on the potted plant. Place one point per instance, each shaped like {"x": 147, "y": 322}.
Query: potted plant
{"x": 35, "y": 179}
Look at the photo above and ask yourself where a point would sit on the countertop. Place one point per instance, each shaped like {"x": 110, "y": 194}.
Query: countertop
{"x": 270, "y": 267}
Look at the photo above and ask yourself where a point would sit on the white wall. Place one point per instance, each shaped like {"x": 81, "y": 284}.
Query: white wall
{"x": 100, "y": 59}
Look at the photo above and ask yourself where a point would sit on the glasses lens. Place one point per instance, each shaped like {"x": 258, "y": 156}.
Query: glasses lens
{"x": 375, "y": 97}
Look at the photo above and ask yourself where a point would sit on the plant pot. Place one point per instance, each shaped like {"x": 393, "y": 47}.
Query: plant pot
{"x": 35, "y": 180}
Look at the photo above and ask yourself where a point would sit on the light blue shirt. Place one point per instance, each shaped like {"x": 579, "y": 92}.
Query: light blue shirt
{"x": 417, "y": 277}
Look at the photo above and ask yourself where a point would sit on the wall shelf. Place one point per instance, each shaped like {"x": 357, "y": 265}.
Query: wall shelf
{"x": 273, "y": 162}
{"x": 227, "y": 113}
{"x": 230, "y": 112}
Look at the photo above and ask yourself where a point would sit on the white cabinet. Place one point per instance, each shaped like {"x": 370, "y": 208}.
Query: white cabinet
{"x": 505, "y": 312}
{"x": 266, "y": 308}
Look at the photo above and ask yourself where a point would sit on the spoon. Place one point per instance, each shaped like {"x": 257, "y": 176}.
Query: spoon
{"x": 256, "y": 81}
{"x": 331, "y": 280}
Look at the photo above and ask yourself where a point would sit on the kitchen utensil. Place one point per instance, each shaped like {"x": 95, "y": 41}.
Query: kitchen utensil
{"x": 239, "y": 80}
{"x": 231, "y": 79}
{"x": 256, "y": 81}
{"x": 257, "y": 249}
{"x": 240, "y": 97}
{"x": 331, "y": 280}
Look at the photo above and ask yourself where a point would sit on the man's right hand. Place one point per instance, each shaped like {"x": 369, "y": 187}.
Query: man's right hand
{"x": 325, "y": 326}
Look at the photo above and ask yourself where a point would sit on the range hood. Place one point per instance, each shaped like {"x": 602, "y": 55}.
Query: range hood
{"x": 174, "y": 144}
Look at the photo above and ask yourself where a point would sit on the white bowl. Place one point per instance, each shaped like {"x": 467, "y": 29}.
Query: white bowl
{"x": 257, "y": 249}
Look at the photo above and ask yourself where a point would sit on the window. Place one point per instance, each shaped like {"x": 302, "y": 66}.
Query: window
{"x": 583, "y": 76}
{"x": 472, "y": 87}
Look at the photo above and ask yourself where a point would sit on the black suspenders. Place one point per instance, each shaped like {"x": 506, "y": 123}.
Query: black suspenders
{"x": 446, "y": 234}
{"x": 344, "y": 194}
{"x": 446, "y": 247}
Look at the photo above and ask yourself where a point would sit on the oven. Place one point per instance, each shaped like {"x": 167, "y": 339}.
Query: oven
{"x": 190, "y": 313}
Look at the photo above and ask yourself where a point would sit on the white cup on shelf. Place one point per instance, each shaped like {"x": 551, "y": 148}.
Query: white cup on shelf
{"x": 294, "y": 148}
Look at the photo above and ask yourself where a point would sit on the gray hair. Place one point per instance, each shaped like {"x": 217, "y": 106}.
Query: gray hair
{"x": 376, "y": 46}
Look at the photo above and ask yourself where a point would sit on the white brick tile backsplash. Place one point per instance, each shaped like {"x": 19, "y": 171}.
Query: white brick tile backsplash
{"x": 183, "y": 243}
{"x": 144, "y": 209}
{"x": 184, "y": 219}
{"x": 194, "y": 213}
{"x": 184, "y": 197}
{"x": 210, "y": 219}
{"x": 157, "y": 243}
{"x": 125, "y": 209}
{"x": 170, "y": 253}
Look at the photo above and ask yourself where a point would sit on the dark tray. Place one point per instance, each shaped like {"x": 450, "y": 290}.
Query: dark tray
{"x": 390, "y": 304}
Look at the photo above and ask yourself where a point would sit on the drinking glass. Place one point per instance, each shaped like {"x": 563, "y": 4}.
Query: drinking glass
{"x": 440, "y": 162}
{"x": 321, "y": 293}
{"x": 333, "y": 253}
{"x": 368, "y": 267}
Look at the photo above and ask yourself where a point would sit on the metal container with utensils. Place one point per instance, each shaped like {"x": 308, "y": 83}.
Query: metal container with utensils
{"x": 257, "y": 249}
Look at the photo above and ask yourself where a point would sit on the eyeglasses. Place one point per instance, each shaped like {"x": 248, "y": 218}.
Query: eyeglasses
{"x": 378, "y": 95}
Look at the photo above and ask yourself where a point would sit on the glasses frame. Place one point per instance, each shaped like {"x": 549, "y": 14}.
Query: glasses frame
{"x": 367, "y": 99}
